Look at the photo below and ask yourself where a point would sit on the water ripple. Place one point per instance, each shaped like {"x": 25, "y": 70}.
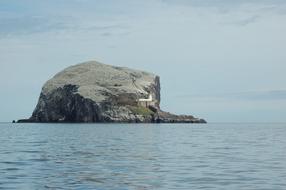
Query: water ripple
{"x": 213, "y": 156}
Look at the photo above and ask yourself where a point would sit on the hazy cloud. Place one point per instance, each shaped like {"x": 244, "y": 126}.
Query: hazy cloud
{"x": 12, "y": 26}
{"x": 272, "y": 95}
{"x": 245, "y": 21}
{"x": 22, "y": 25}
{"x": 30, "y": 16}
{"x": 225, "y": 3}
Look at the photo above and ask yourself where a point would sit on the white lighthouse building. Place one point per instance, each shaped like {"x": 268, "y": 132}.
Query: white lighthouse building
{"x": 146, "y": 102}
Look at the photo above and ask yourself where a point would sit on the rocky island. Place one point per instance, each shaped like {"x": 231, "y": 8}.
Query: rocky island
{"x": 96, "y": 92}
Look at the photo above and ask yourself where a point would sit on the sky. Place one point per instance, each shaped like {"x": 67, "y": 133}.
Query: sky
{"x": 221, "y": 60}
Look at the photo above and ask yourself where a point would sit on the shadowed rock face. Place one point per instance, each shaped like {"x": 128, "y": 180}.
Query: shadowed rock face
{"x": 95, "y": 92}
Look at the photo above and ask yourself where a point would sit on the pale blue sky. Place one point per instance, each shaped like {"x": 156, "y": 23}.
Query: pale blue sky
{"x": 221, "y": 60}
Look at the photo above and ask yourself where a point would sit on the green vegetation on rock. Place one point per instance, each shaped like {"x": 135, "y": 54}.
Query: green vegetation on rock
{"x": 140, "y": 110}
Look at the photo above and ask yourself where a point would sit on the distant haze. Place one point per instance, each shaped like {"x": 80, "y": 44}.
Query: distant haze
{"x": 221, "y": 60}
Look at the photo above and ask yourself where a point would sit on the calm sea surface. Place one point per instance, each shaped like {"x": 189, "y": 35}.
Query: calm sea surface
{"x": 143, "y": 156}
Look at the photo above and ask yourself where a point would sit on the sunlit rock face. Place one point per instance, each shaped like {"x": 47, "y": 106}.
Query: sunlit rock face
{"x": 96, "y": 92}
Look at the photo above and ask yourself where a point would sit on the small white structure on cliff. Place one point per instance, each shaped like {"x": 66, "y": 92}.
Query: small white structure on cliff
{"x": 146, "y": 102}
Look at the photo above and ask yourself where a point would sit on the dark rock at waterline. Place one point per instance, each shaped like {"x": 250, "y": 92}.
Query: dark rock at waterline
{"x": 95, "y": 92}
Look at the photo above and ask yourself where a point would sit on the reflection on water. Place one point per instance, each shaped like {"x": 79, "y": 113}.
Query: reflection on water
{"x": 144, "y": 156}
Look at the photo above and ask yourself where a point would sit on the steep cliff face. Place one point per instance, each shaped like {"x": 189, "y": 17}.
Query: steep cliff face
{"x": 95, "y": 92}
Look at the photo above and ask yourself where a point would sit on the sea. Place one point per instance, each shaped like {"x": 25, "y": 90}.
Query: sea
{"x": 230, "y": 156}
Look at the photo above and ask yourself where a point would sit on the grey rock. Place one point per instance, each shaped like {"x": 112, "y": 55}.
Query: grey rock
{"x": 96, "y": 92}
